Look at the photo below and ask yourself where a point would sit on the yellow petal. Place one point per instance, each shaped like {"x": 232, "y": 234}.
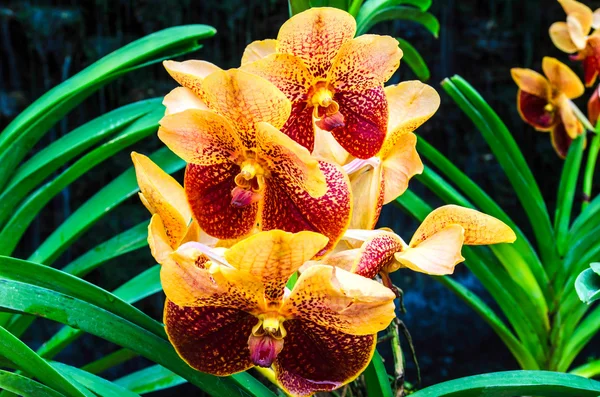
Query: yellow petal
{"x": 343, "y": 259}
{"x": 531, "y": 82}
{"x": 365, "y": 62}
{"x": 367, "y": 195}
{"x": 338, "y": 299}
{"x": 201, "y": 137}
{"x": 316, "y": 35}
{"x": 437, "y": 255}
{"x": 479, "y": 228}
{"x": 159, "y": 243}
{"x": 579, "y": 10}
{"x": 596, "y": 19}
{"x": 400, "y": 164}
{"x": 289, "y": 161}
{"x": 573, "y": 126}
{"x": 245, "y": 99}
{"x": 164, "y": 196}
{"x": 576, "y": 32}
{"x": 560, "y": 36}
{"x": 273, "y": 256}
{"x": 190, "y": 73}
{"x": 411, "y": 103}
{"x": 258, "y": 50}
{"x": 180, "y": 99}
{"x": 327, "y": 148}
{"x": 562, "y": 78}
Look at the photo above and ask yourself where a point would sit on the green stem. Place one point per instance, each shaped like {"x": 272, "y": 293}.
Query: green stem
{"x": 588, "y": 370}
{"x": 588, "y": 176}
{"x": 355, "y": 7}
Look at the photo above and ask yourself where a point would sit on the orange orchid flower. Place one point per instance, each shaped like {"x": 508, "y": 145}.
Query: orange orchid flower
{"x": 545, "y": 103}
{"x": 594, "y": 106}
{"x": 330, "y": 77}
{"x": 244, "y": 174}
{"x": 231, "y": 313}
{"x": 573, "y": 37}
{"x": 435, "y": 247}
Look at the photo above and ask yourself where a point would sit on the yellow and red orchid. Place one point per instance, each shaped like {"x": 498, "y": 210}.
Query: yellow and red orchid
{"x": 594, "y": 106}
{"x": 225, "y": 315}
{"x": 573, "y": 37}
{"x": 331, "y": 78}
{"x": 244, "y": 175}
{"x": 545, "y": 102}
{"x": 435, "y": 247}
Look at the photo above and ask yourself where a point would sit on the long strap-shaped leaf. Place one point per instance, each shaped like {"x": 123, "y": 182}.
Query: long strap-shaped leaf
{"x": 150, "y": 379}
{"x": 22, "y": 386}
{"x": 515, "y": 383}
{"x": 109, "y": 361}
{"x": 427, "y": 20}
{"x": 31, "y": 299}
{"x": 98, "y": 385}
{"x": 28, "y": 361}
{"x": 376, "y": 378}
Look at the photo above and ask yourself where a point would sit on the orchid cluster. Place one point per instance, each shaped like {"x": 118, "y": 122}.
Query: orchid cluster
{"x": 268, "y": 251}
{"x": 546, "y": 102}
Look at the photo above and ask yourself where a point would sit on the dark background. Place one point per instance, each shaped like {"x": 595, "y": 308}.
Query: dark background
{"x": 44, "y": 42}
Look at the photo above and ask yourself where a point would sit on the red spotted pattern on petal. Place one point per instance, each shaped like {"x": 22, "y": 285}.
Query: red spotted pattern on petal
{"x": 300, "y": 126}
{"x": 210, "y": 339}
{"x": 532, "y": 110}
{"x": 591, "y": 60}
{"x": 365, "y": 121}
{"x": 208, "y": 189}
{"x": 316, "y": 358}
{"x": 376, "y": 253}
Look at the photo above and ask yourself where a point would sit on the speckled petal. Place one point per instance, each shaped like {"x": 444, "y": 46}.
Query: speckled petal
{"x": 213, "y": 340}
{"x": 258, "y": 49}
{"x": 293, "y": 211}
{"x": 437, "y": 255}
{"x": 532, "y": 110}
{"x": 562, "y": 78}
{"x": 200, "y": 137}
{"x": 367, "y": 194}
{"x": 377, "y": 253}
{"x": 245, "y": 99}
{"x": 158, "y": 240}
{"x": 399, "y": 165}
{"x": 190, "y": 74}
{"x": 273, "y": 256}
{"x": 317, "y": 358}
{"x": 560, "y": 36}
{"x": 365, "y": 117}
{"x": 301, "y": 126}
{"x": 164, "y": 196}
{"x": 208, "y": 189}
{"x": 480, "y": 229}
{"x": 365, "y": 62}
{"x": 561, "y": 141}
{"x": 316, "y": 36}
{"x": 335, "y": 298}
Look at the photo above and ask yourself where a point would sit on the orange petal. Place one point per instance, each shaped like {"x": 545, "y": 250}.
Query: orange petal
{"x": 560, "y": 36}
{"x": 164, "y": 196}
{"x": 534, "y": 110}
{"x": 401, "y": 163}
{"x": 573, "y": 126}
{"x": 410, "y": 103}
{"x": 245, "y": 99}
{"x": 274, "y": 256}
{"x": 289, "y": 161}
{"x": 334, "y": 298}
{"x": 596, "y": 19}
{"x": 180, "y": 99}
{"x": 213, "y": 340}
{"x": 580, "y": 11}
{"x": 312, "y": 354}
{"x": 368, "y": 188}
{"x": 287, "y": 208}
{"x": 190, "y": 74}
{"x": 479, "y": 228}
{"x": 562, "y": 78}
{"x": 258, "y": 50}
{"x": 158, "y": 240}
{"x": 316, "y": 36}
{"x": 531, "y": 82}
{"x": 561, "y": 141}
{"x": 438, "y": 254}
{"x": 365, "y": 62}
{"x": 208, "y": 189}
{"x": 200, "y": 137}
{"x": 377, "y": 254}
{"x": 576, "y": 33}
{"x": 366, "y": 115}
{"x": 327, "y": 148}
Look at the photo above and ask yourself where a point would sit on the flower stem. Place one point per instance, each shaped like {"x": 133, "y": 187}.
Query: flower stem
{"x": 588, "y": 176}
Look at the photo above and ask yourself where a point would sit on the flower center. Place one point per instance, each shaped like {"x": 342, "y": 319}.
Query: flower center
{"x": 549, "y": 107}
{"x": 250, "y": 182}
{"x": 325, "y": 108}
{"x": 266, "y": 340}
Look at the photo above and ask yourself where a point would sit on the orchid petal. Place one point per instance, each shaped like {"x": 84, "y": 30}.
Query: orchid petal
{"x": 368, "y": 186}
{"x": 582, "y": 13}
{"x": 191, "y": 73}
{"x": 561, "y": 37}
{"x": 562, "y": 78}
{"x": 572, "y": 125}
{"x": 561, "y": 141}
{"x": 531, "y": 82}
{"x": 180, "y": 99}
{"x": 400, "y": 164}
{"x": 534, "y": 110}
{"x": 259, "y": 49}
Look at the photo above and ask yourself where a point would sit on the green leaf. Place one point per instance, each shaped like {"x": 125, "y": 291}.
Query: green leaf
{"x": 109, "y": 361}
{"x": 588, "y": 370}
{"x": 111, "y": 195}
{"x": 414, "y": 60}
{"x": 587, "y": 284}
{"x": 355, "y": 6}
{"x": 590, "y": 167}
{"x": 426, "y": 19}
{"x": 28, "y": 361}
{"x": 370, "y": 7}
{"x": 23, "y": 386}
{"x": 297, "y": 6}
{"x": 566, "y": 193}
{"x": 98, "y": 385}
{"x": 31, "y": 124}
{"x": 376, "y": 378}
{"x": 515, "y": 383}
{"x": 150, "y": 379}
{"x": 58, "y": 153}
{"x": 76, "y": 313}
{"x": 26, "y": 213}
{"x": 584, "y": 333}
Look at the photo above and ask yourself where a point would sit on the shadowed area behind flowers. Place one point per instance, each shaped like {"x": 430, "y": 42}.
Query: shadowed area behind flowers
{"x": 44, "y": 42}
